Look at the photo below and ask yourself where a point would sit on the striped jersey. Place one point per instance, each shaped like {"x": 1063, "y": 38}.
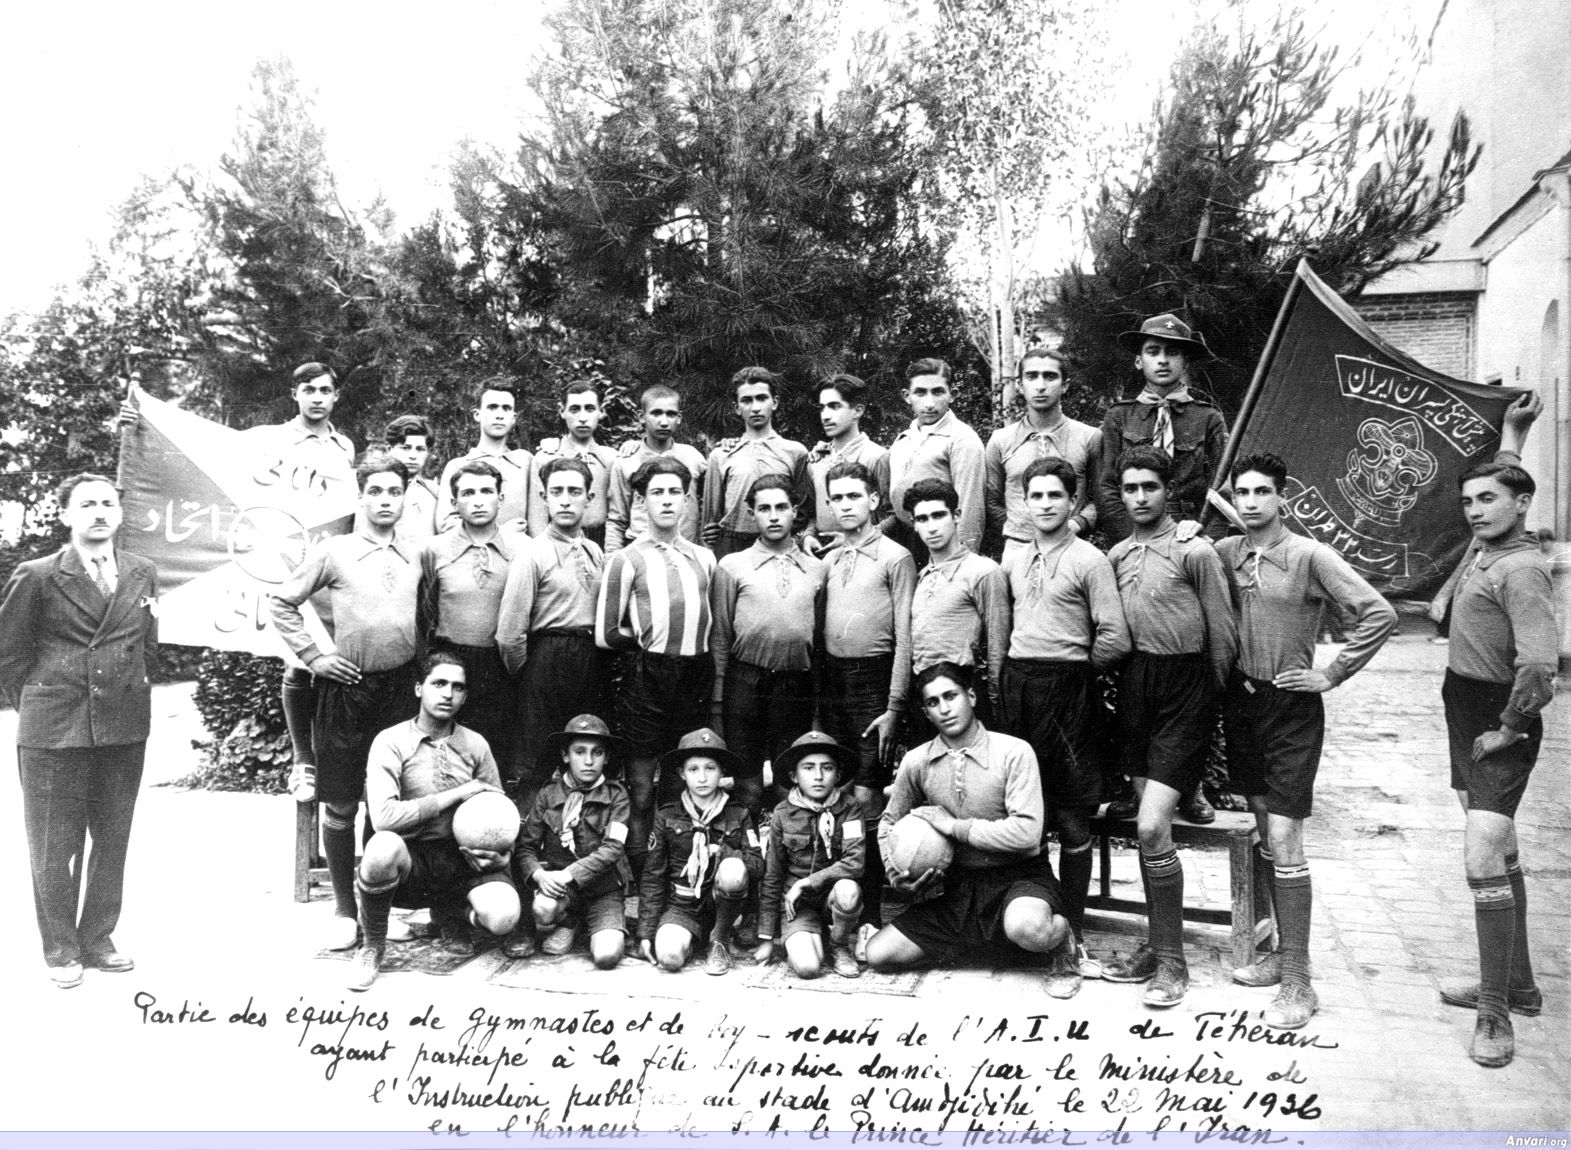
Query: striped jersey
{"x": 656, "y": 596}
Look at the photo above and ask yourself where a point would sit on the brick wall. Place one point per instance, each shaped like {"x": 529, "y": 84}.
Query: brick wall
{"x": 1435, "y": 328}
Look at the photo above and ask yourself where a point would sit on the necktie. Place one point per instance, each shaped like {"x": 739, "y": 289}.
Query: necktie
{"x": 389, "y": 572}
{"x": 1034, "y": 578}
{"x": 99, "y": 580}
{"x": 1254, "y": 573}
{"x": 782, "y": 576}
{"x": 846, "y": 560}
{"x": 482, "y": 565}
{"x": 1164, "y": 427}
{"x": 581, "y": 568}
{"x": 1137, "y": 561}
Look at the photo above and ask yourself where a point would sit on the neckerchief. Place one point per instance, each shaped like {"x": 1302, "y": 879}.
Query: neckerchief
{"x": 573, "y": 809}
{"x": 698, "y": 858}
{"x": 826, "y": 818}
{"x": 1163, "y": 433}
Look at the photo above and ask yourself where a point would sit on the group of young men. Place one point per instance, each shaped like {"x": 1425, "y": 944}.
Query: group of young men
{"x": 799, "y": 614}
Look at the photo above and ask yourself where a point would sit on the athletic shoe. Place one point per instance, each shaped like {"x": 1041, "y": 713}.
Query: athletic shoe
{"x": 398, "y": 930}
{"x": 1264, "y": 971}
{"x": 363, "y": 970}
{"x": 302, "y": 783}
{"x": 1136, "y": 967}
{"x": 560, "y": 940}
{"x": 1196, "y": 809}
{"x": 1126, "y": 807}
{"x": 1294, "y": 1005}
{"x": 864, "y": 932}
{"x": 1088, "y": 966}
{"x": 1493, "y": 1043}
{"x": 1460, "y": 992}
{"x": 719, "y": 960}
{"x": 1169, "y": 985}
{"x": 343, "y": 933}
{"x": 67, "y": 976}
{"x": 1063, "y": 969}
{"x": 843, "y": 961}
{"x": 521, "y": 943}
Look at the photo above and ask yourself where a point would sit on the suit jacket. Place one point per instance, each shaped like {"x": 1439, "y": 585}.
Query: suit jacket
{"x": 77, "y": 672}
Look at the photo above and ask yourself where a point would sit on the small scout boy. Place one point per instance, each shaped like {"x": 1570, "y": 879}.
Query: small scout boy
{"x": 654, "y": 604}
{"x": 496, "y": 414}
{"x": 841, "y": 404}
{"x": 1180, "y": 617}
{"x": 983, "y": 790}
{"x": 961, "y": 604}
{"x": 371, "y": 577}
{"x": 768, "y": 608}
{"x": 409, "y": 440}
{"x": 936, "y": 446}
{"x": 1043, "y": 432}
{"x": 703, "y": 857}
{"x": 1068, "y": 626}
{"x": 573, "y": 849}
{"x": 580, "y": 411}
{"x": 1165, "y": 415}
{"x": 814, "y": 861}
{"x": 419, "y": 771}
{"x": 759, "y": 451}
{"x": 626, "y": 520}
{"x": 1273, "y": 717}
{"x": 867, "y": 647}
{"x": 462, "y": 574}
{"x": 1499, "y": 677}
{"x": 545, "y": 629}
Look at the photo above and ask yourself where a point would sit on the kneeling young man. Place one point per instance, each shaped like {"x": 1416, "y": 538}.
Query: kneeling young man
{"x": 1500, "y": 676}
{"x": 703, "y": 855}
{"x": 1273, "y": 717}
{"x": 573, "y": 847}
{"x": 983, "y": 790}
{"x": 817, "y": 843}
{"x": 417, "y": 773}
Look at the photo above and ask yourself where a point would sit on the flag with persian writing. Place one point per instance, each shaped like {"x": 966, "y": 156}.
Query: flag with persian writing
{"x": 1374, "y": 441}
{"x": 225, "y": 515}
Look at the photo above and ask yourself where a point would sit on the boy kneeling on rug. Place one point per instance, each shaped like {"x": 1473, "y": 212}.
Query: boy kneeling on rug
{"x": 573, "y": 847}
{"x": 817, "y": 844}
{"x": 417, "y": 774}
{"x": 703, "y": 854}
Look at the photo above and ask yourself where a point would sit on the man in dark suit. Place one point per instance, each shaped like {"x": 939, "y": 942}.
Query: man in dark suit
{"x": 77, "y": 632}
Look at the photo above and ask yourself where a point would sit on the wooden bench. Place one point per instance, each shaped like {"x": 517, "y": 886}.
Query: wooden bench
{"x": 310, "y": 868}
{"x": 1234, "y": 832}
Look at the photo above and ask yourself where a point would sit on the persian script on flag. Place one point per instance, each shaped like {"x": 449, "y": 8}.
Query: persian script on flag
{"x": 1374, "y": 442}
{"x": 226, "y": 515}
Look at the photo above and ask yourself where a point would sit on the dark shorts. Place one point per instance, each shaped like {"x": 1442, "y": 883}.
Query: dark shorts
{"x": 491, "y": 705}
{"x": 565, "y": 675}
{"x": 439, "y": 875}
{"x": 813, "y": 916}
{"x": 968, "y": 917}
{"x": 1496, "y": 784}
{"x": 348, "y": 717}
{"x": 1057, "y": 708}
{"x": 1166, "y": 716}
{"x": 856, "y": 691}
{"x": 601, "y": 907}
{"x": 1273, "y": 743}
{"x": 694, "y": 915}
{"x": 664, "y": 697}
{"x": 764, "y": 711}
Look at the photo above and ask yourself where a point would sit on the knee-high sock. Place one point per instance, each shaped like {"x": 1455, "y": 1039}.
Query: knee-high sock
{"x": 727, "y": 907}
{"x": 1521, "y": 961}
{"x": 1494, "y": 910}
{"x": 1165, "y": 890}
{"x": 872, "y": 886}
{"x": 376, "y": 903}
{"x": 1294, "y": 902}
{"x": 338, "y": 848}
{"x": 1265, "y": 884}
{"x": 1074, "y": 879}
{"x": 299, "y": 702}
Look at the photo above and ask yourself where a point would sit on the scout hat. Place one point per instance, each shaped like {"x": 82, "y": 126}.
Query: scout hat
{"x": 811, "y": 743}
{"x": 584, "y": 727}
{"x": 700, "y": 742}
{"x": 1168, "y": 328}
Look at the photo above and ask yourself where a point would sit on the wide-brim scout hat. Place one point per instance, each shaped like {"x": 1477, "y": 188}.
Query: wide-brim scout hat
{"x": 700, "y": 742}
{"x": 815, "y": 742}
{"x": 1168, "y": 328}
{"x": 585, "y": 727}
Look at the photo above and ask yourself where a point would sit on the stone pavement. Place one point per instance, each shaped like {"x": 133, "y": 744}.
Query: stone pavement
{"x": 208, "y": 907}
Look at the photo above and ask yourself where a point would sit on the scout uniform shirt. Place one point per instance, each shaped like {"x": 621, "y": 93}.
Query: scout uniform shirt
{"x": 1015, "y": 447}
{"x": 1503, "y": 626}
{"x": 592, "y": 847}
{"x": 824, "y": 456}
{"x": 666, "y": 873}
{"x": 817, "y": 848}
{"x": 601, "y": 461}
{"x": 947, "y": 450}
{"x": 737, "y": 462}
{"x": 518, "y": 491}
{"x": 1199, "y": 436}
{"x": 626, "y": 518}
{"x": 1176, "y": 598}
{"x": 553, "y": 584}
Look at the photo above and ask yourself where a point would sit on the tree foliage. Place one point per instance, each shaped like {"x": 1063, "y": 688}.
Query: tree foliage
{"x": 1249, "y": 167}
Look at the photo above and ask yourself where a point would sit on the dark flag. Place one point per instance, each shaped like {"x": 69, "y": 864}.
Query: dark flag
{"x": 1374, "y": 440}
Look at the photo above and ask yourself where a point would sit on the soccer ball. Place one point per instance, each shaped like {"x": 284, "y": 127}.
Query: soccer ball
{"x": 915, "y": 847}
{"x": 487, "y": 821}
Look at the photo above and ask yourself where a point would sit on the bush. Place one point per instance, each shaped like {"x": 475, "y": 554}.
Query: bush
{"x": 237, "y": 697}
